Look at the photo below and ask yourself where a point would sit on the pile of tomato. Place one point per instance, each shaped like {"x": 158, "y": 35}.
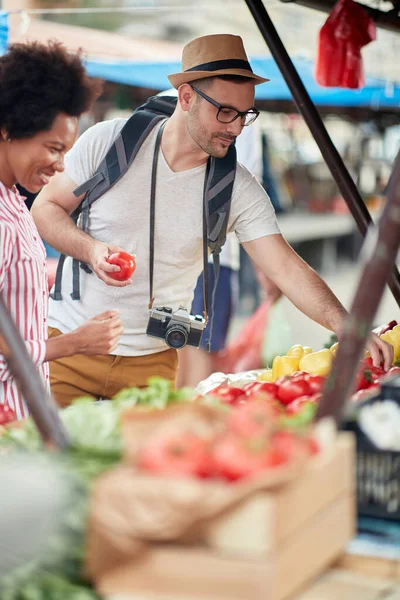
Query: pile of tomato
{"x": 288, "y": 394}
{"x": 252, "y": 442}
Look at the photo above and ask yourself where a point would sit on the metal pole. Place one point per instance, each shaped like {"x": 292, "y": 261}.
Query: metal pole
{"x": 40, "y": 404}
{"x": 313, "y": 119}
{"x": 357, "y": 324}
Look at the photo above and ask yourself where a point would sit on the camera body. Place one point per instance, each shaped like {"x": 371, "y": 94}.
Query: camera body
{"x": 176, "y": 328}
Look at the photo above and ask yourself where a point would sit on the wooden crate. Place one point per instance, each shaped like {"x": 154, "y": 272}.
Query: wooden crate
{"x": 270, "y": 547}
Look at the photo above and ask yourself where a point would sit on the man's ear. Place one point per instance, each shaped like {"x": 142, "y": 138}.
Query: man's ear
{"x": 4, "y": 134}
{"x": 185, "y": 96}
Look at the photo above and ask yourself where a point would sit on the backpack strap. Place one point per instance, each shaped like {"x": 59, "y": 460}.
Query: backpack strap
{"x": 114, "y": 165}
{"x": 218, "y": 188}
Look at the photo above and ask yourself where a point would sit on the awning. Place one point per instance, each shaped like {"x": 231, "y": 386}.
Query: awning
{"x": 134, "y": 62}
{"x": 153, "y": 75}
{"x": 3, "y": 31}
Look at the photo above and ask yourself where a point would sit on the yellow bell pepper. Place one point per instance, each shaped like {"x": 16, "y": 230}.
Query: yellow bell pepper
{"x": 317, "y": 363}
{"x": 265, "y": 375}
{"x": 334, "y": 348}
{"x": 284, "y": 365}
{"x": 393, "y": 337}
{"x": 299, "y": 351}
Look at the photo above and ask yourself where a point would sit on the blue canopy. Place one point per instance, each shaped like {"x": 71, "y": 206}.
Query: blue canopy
{"x": 153, "y": 75}
{"x": 375, "y": 94}
{"x": 3, "y": 31}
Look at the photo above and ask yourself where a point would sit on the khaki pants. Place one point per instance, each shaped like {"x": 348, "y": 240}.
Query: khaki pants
{"x": 104, "y": 376}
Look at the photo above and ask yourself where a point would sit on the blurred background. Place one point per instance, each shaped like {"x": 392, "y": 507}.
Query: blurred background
{"x": 134, "y": 44}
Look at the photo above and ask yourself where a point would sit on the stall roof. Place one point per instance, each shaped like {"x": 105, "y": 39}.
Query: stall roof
{"x": 136, "y": 62}
{"x": 376, "y": 93}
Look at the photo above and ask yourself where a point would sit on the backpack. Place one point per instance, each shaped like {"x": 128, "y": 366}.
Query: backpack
{"x": 218, "y": 185}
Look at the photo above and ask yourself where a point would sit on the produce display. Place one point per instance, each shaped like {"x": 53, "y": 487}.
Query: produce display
{"x": 94, "y": 429}
{"x": 296, "y": 380}
{"x": 246, "y": 440}
{"x": 251, "y": 433}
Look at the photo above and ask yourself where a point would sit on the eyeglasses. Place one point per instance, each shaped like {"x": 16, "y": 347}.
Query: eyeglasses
{"x": 226, "y": 114}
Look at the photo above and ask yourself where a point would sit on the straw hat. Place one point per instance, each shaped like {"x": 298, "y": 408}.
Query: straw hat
{"x": 213, "y": 55}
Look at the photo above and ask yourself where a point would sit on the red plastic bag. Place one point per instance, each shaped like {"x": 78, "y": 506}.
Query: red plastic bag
{"x": 245, "y": 352}
{"x": 347, "y": 29}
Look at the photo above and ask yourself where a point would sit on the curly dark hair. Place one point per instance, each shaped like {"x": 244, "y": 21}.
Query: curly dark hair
{"x": 39, "y": 81}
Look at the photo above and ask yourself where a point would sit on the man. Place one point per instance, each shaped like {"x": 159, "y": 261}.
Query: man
{"x": 196, "y": 364}
{"x": 215, "y": 102}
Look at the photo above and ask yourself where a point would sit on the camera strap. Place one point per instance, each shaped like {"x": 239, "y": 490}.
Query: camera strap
{"x": 153, "y": 207}
{"x": 152, "y": 226}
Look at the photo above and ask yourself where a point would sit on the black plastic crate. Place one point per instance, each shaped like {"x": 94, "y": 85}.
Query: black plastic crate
{"x": 377, "y": 471}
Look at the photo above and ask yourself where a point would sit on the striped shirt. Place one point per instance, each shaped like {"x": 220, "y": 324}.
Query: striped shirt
{"x": 23, "y": 285}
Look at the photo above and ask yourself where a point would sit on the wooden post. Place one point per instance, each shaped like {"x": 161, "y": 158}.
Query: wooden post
{"x": 357, "y": 325}
{"x": 40, "y": 404}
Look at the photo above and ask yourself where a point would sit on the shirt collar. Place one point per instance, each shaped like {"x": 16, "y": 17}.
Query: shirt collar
{"x": 11, "y": 198}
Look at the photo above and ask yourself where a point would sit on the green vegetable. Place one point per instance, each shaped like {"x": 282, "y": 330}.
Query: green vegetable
{"x": 94, "y": 430}
{"x": 301, "y": 419}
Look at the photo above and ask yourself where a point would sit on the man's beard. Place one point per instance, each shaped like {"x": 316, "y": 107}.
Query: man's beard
{"x": 211, "y": 145}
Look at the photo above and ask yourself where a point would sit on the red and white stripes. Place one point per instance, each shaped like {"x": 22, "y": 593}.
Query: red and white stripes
{"x": 23, "y": 284}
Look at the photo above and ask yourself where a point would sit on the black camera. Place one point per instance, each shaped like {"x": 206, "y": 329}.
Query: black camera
{"x": 176, "y": 328}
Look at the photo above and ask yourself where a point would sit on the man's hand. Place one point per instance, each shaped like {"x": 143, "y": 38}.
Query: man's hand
{"x": 99, "y": 335}
{"x": 381, "y": 352}
{"x": 98, "y": 261}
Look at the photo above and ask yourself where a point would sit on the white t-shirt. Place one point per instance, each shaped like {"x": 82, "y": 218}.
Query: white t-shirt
{"x": 249, "y": 154}
{"x": 122, "y": 215}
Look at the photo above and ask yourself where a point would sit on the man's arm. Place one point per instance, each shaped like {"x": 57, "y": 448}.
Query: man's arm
{"x": 297, "y": 280}
{"x": 305, "y": 288}
{"x": 51, "y": 211}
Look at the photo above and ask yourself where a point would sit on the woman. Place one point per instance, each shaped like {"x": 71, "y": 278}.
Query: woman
{"x": 44, "y": 90}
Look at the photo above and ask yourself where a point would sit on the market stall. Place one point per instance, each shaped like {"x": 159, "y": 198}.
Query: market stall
{"x": 241, "y": 489}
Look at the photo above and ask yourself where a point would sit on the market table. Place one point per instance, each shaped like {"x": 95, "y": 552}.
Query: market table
{"x": 334, "y": 584}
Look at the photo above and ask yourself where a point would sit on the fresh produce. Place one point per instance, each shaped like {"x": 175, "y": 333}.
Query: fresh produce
{"x": 236, "y": 458}
{"x": 94, "y": 430}
{"x": 334, "y": 348}
{"x": 284, "y": 365}
{"x": 265, "y": 375}
{"x": 176, "y": 455}
{"x": 291, "y": 388}
{"x": 7, "y": 415}
{"x": 317, "y": 363}
{"x": 254, "y": 419}
{"x": 392, "y": 336}
{"x": 298, "y": 405}
{"x": 299, "y": 351}
{"x": 127, "y": 265}
{"x": 229, "y": 394}
{"x": 260, "y": 386}
{"x": 384, "y": 328}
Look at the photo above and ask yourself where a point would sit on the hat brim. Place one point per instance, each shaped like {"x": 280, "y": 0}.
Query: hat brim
{"x": 177, "y": 79}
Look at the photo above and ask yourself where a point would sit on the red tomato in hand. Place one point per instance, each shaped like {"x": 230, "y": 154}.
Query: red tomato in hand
{"x": 175, "y": 455}
{"x": 229, "y": 394}
{"x": 127, "y": 265}
{"x": 290, "y": 389}
{"x": 7, "y": 415}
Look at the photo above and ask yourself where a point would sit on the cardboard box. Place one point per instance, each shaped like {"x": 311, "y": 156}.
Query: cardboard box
{"x": 269, "y": 547}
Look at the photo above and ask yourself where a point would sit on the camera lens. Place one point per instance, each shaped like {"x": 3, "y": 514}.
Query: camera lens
{"x": 176, "y": 336}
